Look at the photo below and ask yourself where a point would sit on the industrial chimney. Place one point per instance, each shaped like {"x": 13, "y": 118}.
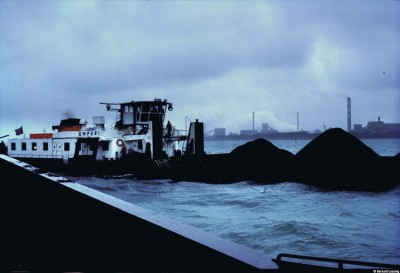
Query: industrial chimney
{"x": 348, "y": 114}
{"x": 253, "y": 121}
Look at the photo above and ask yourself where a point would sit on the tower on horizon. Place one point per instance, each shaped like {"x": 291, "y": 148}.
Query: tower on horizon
{"x": 253, "y": 121}
{"x": 348, "y": 114}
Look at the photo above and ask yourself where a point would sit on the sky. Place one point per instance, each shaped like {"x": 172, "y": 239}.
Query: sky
{"x": 216, "y": 61}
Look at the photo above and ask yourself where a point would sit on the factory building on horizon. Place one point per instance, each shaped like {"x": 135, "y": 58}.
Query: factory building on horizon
{"x": 377, "y": 127}
{"x": 266, "y": 129}
{"x": 248, "y": 132}
{"x": 373, "y": 127}
{"x": 219, "y": 132}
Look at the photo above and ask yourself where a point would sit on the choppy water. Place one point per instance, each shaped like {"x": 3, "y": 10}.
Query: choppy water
{"x": 286, "y": 217}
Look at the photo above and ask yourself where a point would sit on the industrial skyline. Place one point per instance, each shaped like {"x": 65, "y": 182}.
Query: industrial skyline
{"x": 372, "y": 127}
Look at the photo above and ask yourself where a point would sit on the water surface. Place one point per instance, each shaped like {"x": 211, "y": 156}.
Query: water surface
{"x": 286, "y": 217}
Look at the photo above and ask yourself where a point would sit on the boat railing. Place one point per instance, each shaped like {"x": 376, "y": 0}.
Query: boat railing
{"x": 39, "y": 156}
{"x": 292, "y": 261}
{"x": 176, "y": 135}
{"x": 179, "y": 132}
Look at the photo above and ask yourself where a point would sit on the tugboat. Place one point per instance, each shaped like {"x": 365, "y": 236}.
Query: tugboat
{"x": 136, "y": 141}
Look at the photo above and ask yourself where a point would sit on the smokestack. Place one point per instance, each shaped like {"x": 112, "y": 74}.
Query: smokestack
{"x": 253, "y": 121}
{"x": 297, "y": 121}
{"x": 348, "y": 114}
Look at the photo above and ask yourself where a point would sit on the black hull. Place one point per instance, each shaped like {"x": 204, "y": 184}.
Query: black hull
{"x": 144, "y": 169}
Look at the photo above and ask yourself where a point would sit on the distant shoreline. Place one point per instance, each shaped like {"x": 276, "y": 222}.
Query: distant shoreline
{"x": 301, "y": 136}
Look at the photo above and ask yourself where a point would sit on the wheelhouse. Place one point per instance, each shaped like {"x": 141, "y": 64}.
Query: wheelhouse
{"x": 134, "y": 113}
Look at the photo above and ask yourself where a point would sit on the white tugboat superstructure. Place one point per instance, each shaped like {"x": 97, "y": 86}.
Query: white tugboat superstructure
{"x": 138, "y": 134}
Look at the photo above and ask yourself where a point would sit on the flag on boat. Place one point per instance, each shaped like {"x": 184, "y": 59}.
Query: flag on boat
{"x": 19, "y": 131}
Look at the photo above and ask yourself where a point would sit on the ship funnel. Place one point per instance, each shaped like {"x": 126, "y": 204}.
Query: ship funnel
{"x": 195, "y": 139}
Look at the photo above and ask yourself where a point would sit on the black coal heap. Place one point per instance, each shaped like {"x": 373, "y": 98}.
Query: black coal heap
{"x": 338, "y": 160}
{"x": 261, "y": 161}
{"x": 335, "y": 160}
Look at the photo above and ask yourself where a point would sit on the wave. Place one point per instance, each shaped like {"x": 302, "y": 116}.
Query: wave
{"x": 293, "y": 228}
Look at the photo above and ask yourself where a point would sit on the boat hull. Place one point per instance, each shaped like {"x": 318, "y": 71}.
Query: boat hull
{"x": 147, "y": 168}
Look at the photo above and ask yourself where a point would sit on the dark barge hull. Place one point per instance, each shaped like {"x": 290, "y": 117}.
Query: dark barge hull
{"x": 141, "y": 168}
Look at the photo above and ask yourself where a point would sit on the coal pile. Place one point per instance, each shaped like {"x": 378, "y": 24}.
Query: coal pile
{"x": 258, "y": 161}
{"x": 335, "y": 160}
{"x": 261, "y": 161}
{"x": 337, "y": 144}
{"x": 338, "y": 160}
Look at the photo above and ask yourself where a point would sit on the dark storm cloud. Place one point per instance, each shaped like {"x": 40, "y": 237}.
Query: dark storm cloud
{"x": 274, "y": 57}
{"x": 94, "y": 45}
{"x": 94, "y": 50}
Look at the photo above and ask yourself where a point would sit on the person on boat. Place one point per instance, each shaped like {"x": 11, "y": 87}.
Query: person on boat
{"x": 123, "y": 150}
{"x": 169, "y": 128}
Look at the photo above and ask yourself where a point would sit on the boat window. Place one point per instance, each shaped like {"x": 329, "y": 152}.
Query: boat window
{"x": 105, "y": 145}
{"x": 154, "y": 115}
{"x": 145, "y": 108}
{"x": 66, "y": 146}
{"x": 138, "y": 113}
{"x": 34, "y": 146}
{"x": 13, "y": 146}
{"x": 23, "y": 146}
{"x": 150, "y": 112}
{"x": 154, "y": 108}
{"x": 144, "y": 117}
{"x": 45, "y": 146}
{"x": 92, "y": 146}
{"x": 140, "y": 144}
{"x": 127, "y": 117}
{"x": 162, "y": 111}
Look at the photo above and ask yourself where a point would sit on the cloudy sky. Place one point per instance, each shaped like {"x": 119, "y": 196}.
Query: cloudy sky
{"x": 217, "y": 61}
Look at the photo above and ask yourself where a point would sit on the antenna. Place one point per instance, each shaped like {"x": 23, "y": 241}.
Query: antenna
{"x": 108, "y": 106}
